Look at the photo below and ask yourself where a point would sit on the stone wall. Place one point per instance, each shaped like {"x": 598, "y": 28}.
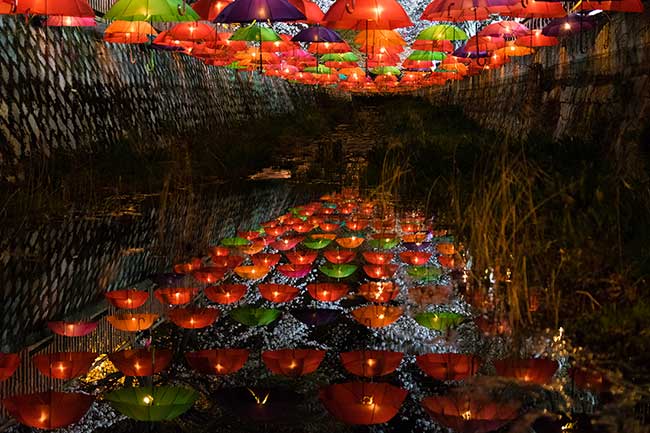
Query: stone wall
{"x": 601, "y": 91}
{"x": 50, "y": 271}
{"x": 65, "y": 89}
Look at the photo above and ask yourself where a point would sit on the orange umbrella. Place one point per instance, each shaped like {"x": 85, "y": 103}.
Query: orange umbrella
{"x": 217, "y": 361}
{"x": 312, "y": 12}
{"x": 301, "y": 257}
{"x": 339, "y": 256}
{"x": 193, "y": 318}
{"x": 377, "y": 316}
{"x": 127, "y": 299}
{"x": 64, "y": 365}
{"x": 363, "y": 403}
{"x": 141, "y": 362}
{"x": 262, "y": 259}
{"x": 129, "y": 32}
{"x": 132, "y": 322}
{"x": 193, "y": 32}
{"x": 175, "y": 295}
{"x": 252, "y": 272}
{"x": 534, "y": 370}
{"x": 388, "y": 38}
{"x": 448, "y": 366}
{"x": 225, "y": 293}
{"x": 371, "y": 363}
{"x": 367, "y": 15}
{"x": 328, "y": 292}
{"x": 48, "y": 410}
{"x": 293, "y": 362}
{"x": 209, "y": 9}
{"x": 377, "y": 258}
{"x": 535, "y": 39}
{"x": 512, "y": 50}
{"x": 278, "y": 293}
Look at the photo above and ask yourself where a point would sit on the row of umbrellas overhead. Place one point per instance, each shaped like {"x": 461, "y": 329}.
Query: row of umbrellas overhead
{"x": 317, "y": 55}
{"x": 264, "y": 266}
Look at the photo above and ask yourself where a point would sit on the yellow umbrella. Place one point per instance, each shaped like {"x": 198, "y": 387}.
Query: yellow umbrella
{"x": 514, "y": 51}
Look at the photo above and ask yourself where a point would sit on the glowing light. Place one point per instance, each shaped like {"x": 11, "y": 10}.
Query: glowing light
{"x": 567, "y": 26}
{"x": 467, "y": 415}
{"x": 147, "y": 399}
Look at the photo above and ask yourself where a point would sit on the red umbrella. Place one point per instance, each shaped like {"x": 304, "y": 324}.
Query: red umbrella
{"x": 176, "y": 295}
{"x": 469, "y": 413}
{"x": 380, "y": 271}
{"x": 339, "y": 256}
{"x": 48, "y": 410}
{"x": 293, "y": 362}
{"x": 379, "y": 291}
{"x": 535, "y": 39}
{"x": 228, "y": 262}
{"x": 9, "y": 362}
{"x": 415, "y": 258}
{"x": 262, "y": 259}
{"x": 278, "y": 293}
{"x": 313, "y": 13}
{"x": 209, "y": 9}
{"x": 613, "y": 6}
{"x": 363, "y": 403}
{"x": 534, "y": 370}
{"x": 128, "y": 298}
{"x": 220, "y": 251}
{"x": 366, "y": 15}
{"x": 448, "y": 366}
{"x": 64, "y": 365}
{"x": 536, "y": 9}
{"x": 192, "y": 317}
{"x": 287, "y": 243}
{"x": 141, "y": 362}
{"x": 328, "y": 292}
{"x": 275, "y": 231}
{"x": 195, "y": 263}
{"x": 72, "y": 329}
{"x": 226, "y": 293}
{"x": 371, "y": 363}
{"x": 301, "y": 257}
{"x": 504, "y": 29}
{"x": 210, "y": 274}
{"x": 354, "y": 223}
{"x": 294, "y": 271}
{"x": 329, "y": 227}
{"x": 217, "y": 361}
{"x": 589, "y": 378}
{"x": 464, "y": 10}
{"x": 377, "y": 258}
{"x": 71, "y": 8}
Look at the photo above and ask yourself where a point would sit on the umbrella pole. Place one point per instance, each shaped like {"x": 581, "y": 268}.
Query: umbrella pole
{"x": 260, "y": 27}
{"x": 366, "y": 47}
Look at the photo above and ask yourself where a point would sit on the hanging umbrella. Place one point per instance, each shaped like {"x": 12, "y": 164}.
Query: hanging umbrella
{"x": 448, "y": 366}
{"x": 264, "y": 405}
{"x": 442, "y": 32}
{"x": 514, "y": 50}
{"x": 313, "y": 13}
{"x": 157, "y": 403}
{"x": 208, "y": 274}
{"x": 382, "y": 291}
{"x": 225, "y": 293}
{"x": 48, "y": 410}
{"x": 535, "y": 39}
{"x": 366, "y": 15}
{"x": 254, "y": 33}
{"x": 377, "y": 316}
{"x": 255, "y": 316}
{"x": 589, "y": 378}
{"x": 278, "y": 293}
{"x": 534, "y": 370}
{"x": 141, "y": 362}
{"x": 362, "y": 403}
{"x": 9, "y": 362}
{"x": 217, "y": 361}
{"x": 127, "y": 299}
{"x": 504, "y": 29}
{"x": 380, "y": 271}
{"x": 293, "y": 362}
{"x": 301, "y": 257}
{"x": 252, "y": 272}
{"x": 465, "y": 10}
{"x": 339, "y": 256}
{"x": 339, "y": 57}
{"x": 70, "y": 8}
{"x": 209, "y": 9}
{"x": 70, "y": 21}
{"x": 236, "y": 241}
{"x": 377, "y": 257}
{"x": 416, "y": 258}
{"x": 246, "y": 11}
{"x": 192, "y": 32}
{"x": 350, "y": 242}
{"x": 72, "y": 329}
{"x": 470, "y": 412}
{"x": 439, "y": 321}
{"x": 371, "y": 363}
{"x": 132, "y": 322}
{"x": 384, "y": 243}
{"x": 571, "y": 24}
{"x": 634, "y": 6}
{"x": 426, "y": 55}
{"x": 536, "y": 9}
{"x": 64, "y": 365}
{"x": 176, "y": 295}
{"x": 193, "y": 317}
{"x": 316, "y": 34}
{"x": 294, "y": 271}
{"x": 316, "y": 316}
{"x": 150, "y": 11}
{"x": 427, "y": 273}
{"x": 286, "y": 243}
{"x": 265, "y": 259}
{"x": 328, "y": 292}
{"x": 338, "y": 271}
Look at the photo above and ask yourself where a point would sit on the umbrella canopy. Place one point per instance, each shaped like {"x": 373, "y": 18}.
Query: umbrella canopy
{"x": 151, "y": 11}
{"x": 385, "y": 70}
{"x": 312, "y": 12}
{"x": 72, "y": 329}
{"x": 64, "y": 365}
{"x": 294, "y": 271}
{"x": 225, "y": 293}
{"x": 317, "y": 34}
{"x": 48, "y": 410}
{"x": 127, "y": 299}
{"x": 193, "y": 317}
{"x": 255, "y": 316}
{"x": 246, "y": 11}
{"x": 534, "y": 370}
{"x": 9, "y": 362}
{"x": 339, "y": 256}
{"x": 379, "y": 291}
{"x": 376, "y": 316}
{"x": 328, "y": 292}
{"x": 141, "y": 362}
{"x": 441, "y": 321}
{"x": 571, "y": 24}
{"x": 278, "y": 293}
{"x": 380, "y": 38}
{"x": 209, "y": 9}
{"x": 132, "y": 322}
{"x": 362, "y": 403}
{"x": 448, "y": 366}
{"x": 634, "y": 6}
{"x": 301, "y": 257}
{"x": 470, "y": 413}
{"x": 425, "y": 274}
{"x": 316, "y": 316}
{"x": 262, "y": 405}
{"x": 535, "y": 39}
{"x": 367, "y": 14}
{"x": 536, "y": 9}
{"x": 70, "y": 8}
{"x": 340, "y": 57}
{"x": 175, "y": 295}
{"x": 193, "y": 32}
{"x": 371, "y": 363}
{"x": 426, "y": 55}
{"x": 514, "y": 50}
{"x": 255, "y": 32}
{"x": 217, "y": 361}
{"x": 442, "y": 32}
{"x": 504, "y": 29}
{"x": 69, "y": 21}
{"x": 336, "y": 271}
{"x": 293, "y": 362}
{"x": 158, "y": 403}
{"x": 464, "y": 10}
{"x": 350, "y": 242}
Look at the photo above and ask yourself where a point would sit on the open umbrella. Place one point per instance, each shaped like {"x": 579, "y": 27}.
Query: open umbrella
{"x": 9, "y": 362}
{"x": 72, "y": 329}
{"x": 448, "y": 366}
{"x": 441, "y": 321}
{"x": 157, "y": 403}
{"x": 264, "y": 405}
{"x": 48, "y": 410}
{"x": 534, "y": 370}
{"x": 371, "y": 363}
{"x": 209, "y": 9}
{"x": 504, "y": 29}
{"x": 255, "y": 316}
{"x": 64, "y": 365}
{"x": 293, "y": 362}
{"x": 363, "y": 403}
{"x": 571, "y": 24}
{"x": 442, "y": 32}
{"x": 127, "y": 298}
{"x": 141, "y": 362}
{"x": 246, "y": 11}
{"x": 151, "y": 11}
{"x": 217, "y": 361}
{"x": 316, "y": 316}
{"x": 70, "y": 8}
{"x": 70, "y": 21}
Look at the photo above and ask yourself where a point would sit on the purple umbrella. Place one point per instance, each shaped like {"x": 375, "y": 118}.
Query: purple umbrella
{"x": 166, "y": 279}
{"x": 316, "y": 34}
{"x": 263, "y": 405}
{"x": 468, "y": 52}
{"x": 246, "y": 11}
{"x": 316, "y": 316}
{"x": 574, "y": 23}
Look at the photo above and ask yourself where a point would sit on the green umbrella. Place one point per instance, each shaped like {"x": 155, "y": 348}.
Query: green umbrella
{"x": 320, "y": 69}
{"x": 316, "y": 243}
{"x": 386, "y": 70}
{"x": 426, "y": 55}
{"x": 252, "y": 316}
{"x": 255, "y": 33}
{"x": 158, "y": 403}
{"x": 234, "y": 242}
{"x": 235, "y": 65}
{"x": 442, "y": 32}
{"x": 383, "y": 243}
{"x": 445, "y": 70}
{"x": 439, "y": 321}
{"x": 339, "y": 57}
{"x": 338, "y": 271}
{"x": 424, "y": 273}
{"x": 152, "y": 11}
